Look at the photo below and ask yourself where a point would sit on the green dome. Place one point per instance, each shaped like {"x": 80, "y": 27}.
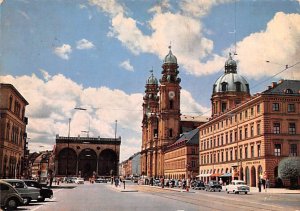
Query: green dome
{"x": 170, "y": 58}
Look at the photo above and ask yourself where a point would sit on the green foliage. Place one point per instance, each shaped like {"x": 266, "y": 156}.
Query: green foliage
{"x": 289, "y": 168}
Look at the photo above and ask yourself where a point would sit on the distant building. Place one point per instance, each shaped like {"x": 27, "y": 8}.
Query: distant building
{"x": 131, "y": 166}
{"x": 41, "y": 165}
{"x": 249, "y": 135}
{"x": 13, "y": 147}
{"x": 86, "y": 156}
{"x": 181, "y": 158}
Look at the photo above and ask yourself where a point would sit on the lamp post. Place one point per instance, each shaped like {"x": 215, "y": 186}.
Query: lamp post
{"x": 67, "y": 173}
{"x": 116, "y": 161}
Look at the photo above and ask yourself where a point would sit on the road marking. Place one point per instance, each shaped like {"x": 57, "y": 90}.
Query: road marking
{"x": 53, "y": 199}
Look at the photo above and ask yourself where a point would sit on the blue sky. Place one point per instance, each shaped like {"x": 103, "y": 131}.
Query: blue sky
{"x": 97, "y": 54}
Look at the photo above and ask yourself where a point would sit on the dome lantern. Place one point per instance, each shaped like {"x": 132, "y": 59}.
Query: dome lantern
{"x": 170, "y": 58}
{"x": 230, "y": 65}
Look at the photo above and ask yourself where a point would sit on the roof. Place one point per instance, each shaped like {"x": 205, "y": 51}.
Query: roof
{"x": 187, "y": 118}
{"x": 289, "y": 87}
{"x": 15, "y": 90}
{"x": 190, "y": 138}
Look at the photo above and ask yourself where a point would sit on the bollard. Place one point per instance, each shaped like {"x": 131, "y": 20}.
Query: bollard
{"x": 124, "y": 184}
{"x": 259, "y": 186}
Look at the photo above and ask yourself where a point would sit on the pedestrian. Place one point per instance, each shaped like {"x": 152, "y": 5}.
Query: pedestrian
{"x": 267, "y": 184}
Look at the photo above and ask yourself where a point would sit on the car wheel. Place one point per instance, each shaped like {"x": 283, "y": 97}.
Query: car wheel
{"x": 227, "y": 192}
{"x": 219, "y": 190}
{"x": 11, "y": 204}
{"x": 27, "y": 201}
{"x": 41, "y": 199}
{"x": 246, "y": 192}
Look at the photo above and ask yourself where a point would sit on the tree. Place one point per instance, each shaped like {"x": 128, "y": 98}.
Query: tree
{"x": 289, "y": 168}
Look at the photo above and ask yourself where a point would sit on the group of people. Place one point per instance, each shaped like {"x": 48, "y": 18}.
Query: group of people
{"x": 117, "y": 181}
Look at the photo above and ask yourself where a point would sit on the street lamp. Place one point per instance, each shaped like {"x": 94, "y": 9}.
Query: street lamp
{"x": 67, "y": 173}
{"x": 84, "y": 131}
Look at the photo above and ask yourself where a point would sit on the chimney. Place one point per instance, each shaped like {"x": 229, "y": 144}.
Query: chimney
{"x": 274, "y": 84}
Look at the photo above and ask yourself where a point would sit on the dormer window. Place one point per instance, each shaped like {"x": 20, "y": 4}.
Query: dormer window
{"x": 238, "y": 86}
{"x": 288, "y": 91}
{"x": 224, "y": 87}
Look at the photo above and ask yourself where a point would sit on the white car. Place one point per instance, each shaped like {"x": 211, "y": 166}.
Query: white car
{"x": 79, "y": 180}
{"x": 237, "y": 186}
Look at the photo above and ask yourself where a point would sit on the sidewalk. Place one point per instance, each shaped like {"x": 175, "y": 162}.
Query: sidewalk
{"x": 173, "y": 189}
{"x": 275, "y": 190}
{"x": 128, "y": 188}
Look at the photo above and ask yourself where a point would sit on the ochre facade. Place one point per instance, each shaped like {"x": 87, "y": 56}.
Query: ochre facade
{"x": 12, "y": 132}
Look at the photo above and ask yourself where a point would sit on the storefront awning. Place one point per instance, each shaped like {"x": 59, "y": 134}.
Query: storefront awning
{"x": 215, "y": 175}
{"x": 226, "y": 175}
{"x": 203, "y": 175}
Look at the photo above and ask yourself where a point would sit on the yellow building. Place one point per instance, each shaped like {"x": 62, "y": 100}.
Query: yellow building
{"x": 248, "y": 136}
{"x": 12, "y": 132}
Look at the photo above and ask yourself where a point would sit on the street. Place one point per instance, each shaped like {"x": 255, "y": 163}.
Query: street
{"x": 107, "y": 197}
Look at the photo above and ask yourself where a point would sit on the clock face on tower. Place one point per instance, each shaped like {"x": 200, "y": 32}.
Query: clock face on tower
{"x": 171, "y": 94}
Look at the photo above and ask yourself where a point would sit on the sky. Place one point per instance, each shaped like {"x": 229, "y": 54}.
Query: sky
{"x": 97, "y": 55}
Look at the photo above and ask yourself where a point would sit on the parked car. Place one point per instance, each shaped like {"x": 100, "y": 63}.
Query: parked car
{"x": 44, "y": 191}
{"x": 237, "y": 186}
{"x": 199, "y": 185}
{"x": 213, "y": 185}
{"x": 27, "y": 193}
{"x": 79, "y": 180}
{"x": 100, "y": 180}
{"x": 10, "y": 199}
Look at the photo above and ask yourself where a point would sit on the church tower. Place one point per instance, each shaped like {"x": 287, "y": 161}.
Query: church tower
{"x": 150, "y": 126}
{"x": 229, "y": 90}
{"x": 169, "y": 106}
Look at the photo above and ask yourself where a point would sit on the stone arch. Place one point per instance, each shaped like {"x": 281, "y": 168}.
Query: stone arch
{"x": 87, "y": 163}
{"x": 247, "y": 175}
{"x": 107, "y": 163}
{"x": 253, "y": 176}
{"x": 67, "y": 160}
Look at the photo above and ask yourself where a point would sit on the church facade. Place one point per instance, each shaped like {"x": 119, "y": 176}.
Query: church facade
{"x": 162, "y": 122}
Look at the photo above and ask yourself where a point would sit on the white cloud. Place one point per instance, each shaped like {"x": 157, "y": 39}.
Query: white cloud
{"x": 126, "y": 65}
{"x": 1, "y": 1}
{"x": 84, "y": 44}
{"x": 198, "y": 8}
{"x": 52, "y": 103}
{"x": 186, "y": 34}
{"x": 82, "y": 6}
{"x": 63, "y": 51}
{"x": 160, "y": 7}
{"x": 278, "y": 43}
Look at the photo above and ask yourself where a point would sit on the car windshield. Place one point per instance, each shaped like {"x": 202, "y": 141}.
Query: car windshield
{"x": 240, "y": 183}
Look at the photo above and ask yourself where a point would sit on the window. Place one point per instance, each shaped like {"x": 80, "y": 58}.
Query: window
{"x": 292, "y": 128}
{"x": 223, "y": 107}
{"x": 277, "y": 149}
{"x": 193, "y": 163}
{"x": 252, "y": 111}
{"x": 293, "y": 149}
{"x": 246, "y": 132}
{"x": 246, "y": 114}
{"x": 226, "y": 138}
{"x": 252, "y": 131}
{"x": 230, "y": 137}
{"x": 222, "y": 141}
{"x": 252, "y": 151}
{"x": 241, "y": 153}
{"x": 258, "y": 129}
{"x": 10, "y": 102}
{"x": 276, "y": 128}
{"x": 275, "y": 106}
{"x": 246, "y": 152}
{"x": 193, "y": 151}
{"x": 235, "y": 153}
{"x": 238, "y": 86}
{"x": 258, "y": 150}
{"x": 258, "y": 109}
{"x": 291, "y": 107}
{"x": 224, "y": 87}
{"x": 231, "y": 157}
{"x": 171, "y": 104}
{"x": 241, "y": 134}
{"x": 218, "y": 157}
{"x": 170, "y": 132}
{"x": 235, "y": 135}
{"x": 4, "y": 187}
{"x": 226, "y": 156}
{"x": 222, "y": 156}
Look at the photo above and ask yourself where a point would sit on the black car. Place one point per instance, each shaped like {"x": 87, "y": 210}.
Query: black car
{"x": 213, "y": 185}
{"x": 44, "y": 191}
{"x": 199, "y": 185}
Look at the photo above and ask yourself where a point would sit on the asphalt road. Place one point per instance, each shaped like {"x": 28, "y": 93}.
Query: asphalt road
{"x": 105, "y": 197}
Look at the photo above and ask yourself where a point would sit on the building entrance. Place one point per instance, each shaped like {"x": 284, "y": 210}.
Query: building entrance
{"x": 87, "y": 164}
